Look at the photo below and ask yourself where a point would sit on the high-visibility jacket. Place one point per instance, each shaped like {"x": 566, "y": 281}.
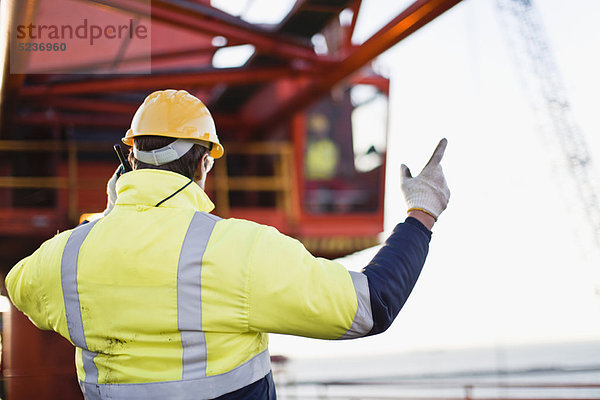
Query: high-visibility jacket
{"x": 171, "y": 302}
{"x": 322, "y": 158}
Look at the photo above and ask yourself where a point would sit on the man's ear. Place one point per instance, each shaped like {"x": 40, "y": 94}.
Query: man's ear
{"x": 201, "y": 168}
{"x": 207, "y": 162}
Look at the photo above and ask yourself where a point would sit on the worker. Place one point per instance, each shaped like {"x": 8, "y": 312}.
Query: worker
{"x": 163, "y": 300}
{"x": 322, "y": 153}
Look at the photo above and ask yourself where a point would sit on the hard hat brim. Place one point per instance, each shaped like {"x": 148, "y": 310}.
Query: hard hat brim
{"x": 216, "y": 152}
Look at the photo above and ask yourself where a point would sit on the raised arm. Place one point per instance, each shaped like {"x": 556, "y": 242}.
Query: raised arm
{"x": 393, "y": 272}
{"x": 292, "y": 292}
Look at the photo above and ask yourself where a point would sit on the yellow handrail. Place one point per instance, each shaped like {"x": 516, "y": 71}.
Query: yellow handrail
{"x": 280, "y": 182}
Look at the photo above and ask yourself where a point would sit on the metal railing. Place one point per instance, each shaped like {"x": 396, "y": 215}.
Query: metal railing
{"x": 437, "y": 390}
{"x": 281, "y": 182}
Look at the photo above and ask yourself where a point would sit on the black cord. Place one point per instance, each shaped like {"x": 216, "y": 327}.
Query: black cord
{"x": 179, "y": 190}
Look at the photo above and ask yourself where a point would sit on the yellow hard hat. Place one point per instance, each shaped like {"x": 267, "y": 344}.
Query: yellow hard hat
{"x": 176, "y": 114}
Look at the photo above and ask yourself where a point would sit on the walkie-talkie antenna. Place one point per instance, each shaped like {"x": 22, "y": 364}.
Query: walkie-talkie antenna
{"x": 122, "y": 159}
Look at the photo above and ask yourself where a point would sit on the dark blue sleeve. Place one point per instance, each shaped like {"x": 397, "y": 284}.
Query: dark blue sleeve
{"x": 394, "y": 270}
{"x": 262, "y": 389}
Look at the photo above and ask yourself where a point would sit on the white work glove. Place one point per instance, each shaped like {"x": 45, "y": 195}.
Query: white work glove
{"x": 428, "y": 191}
{"x": 111, "y": 190}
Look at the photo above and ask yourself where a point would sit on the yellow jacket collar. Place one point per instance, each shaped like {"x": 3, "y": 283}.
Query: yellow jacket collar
{"x": 150, "y": 186}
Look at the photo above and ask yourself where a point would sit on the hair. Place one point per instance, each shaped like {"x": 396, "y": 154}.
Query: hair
{"x": 185, "y": 165}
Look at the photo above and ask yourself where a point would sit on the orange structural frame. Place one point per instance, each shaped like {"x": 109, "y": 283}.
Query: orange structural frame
{"x": 57, "y": 132}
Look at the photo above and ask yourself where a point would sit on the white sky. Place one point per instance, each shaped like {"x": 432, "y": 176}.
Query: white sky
{"x": 511, "y": 260}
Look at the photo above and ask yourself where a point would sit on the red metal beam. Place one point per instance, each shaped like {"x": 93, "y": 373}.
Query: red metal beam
{"x": 410, "y": 20}
{"x": 208, "y": 78}
{"x": 122, "y": 121}
{"x": 154, "y": 57}
{"x": 381, "y": 83}
{"x": 13, "y": 13}
{"x": 414, "y": 17}
{"x": 55, "y": 118}
{"x": 350, "y": 29}
{"x": 89, "y": 105}
{"x": 211, "y": 21}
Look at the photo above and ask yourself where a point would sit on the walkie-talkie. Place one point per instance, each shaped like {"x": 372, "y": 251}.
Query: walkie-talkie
{"x": 124, "y": 163}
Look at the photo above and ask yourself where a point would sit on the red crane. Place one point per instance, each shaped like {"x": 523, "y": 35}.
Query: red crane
{"x": 61, "y": 111}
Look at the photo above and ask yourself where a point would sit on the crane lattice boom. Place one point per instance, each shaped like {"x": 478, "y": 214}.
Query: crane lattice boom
{"x": 534, "y": 58}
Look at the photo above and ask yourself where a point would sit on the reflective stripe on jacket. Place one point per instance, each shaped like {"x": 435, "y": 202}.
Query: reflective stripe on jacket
{"x": 173, "y": 302}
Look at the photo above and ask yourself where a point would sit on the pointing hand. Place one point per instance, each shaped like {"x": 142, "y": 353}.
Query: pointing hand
{"x": 428, "y": 191}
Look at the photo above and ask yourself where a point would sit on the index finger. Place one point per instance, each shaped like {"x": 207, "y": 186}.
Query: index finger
{"x": 438, "y": 153}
